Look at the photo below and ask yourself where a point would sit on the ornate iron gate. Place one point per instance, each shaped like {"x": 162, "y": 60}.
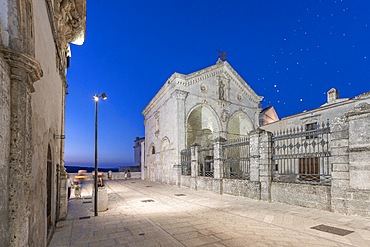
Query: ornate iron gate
{"x": 205, "y": 157}
{"x": 186, "y": 162}
{"x": 301, "y": 155}
{"x": 236, "y": 158}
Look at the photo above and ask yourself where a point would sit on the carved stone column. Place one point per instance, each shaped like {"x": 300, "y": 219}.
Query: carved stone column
{"x": 24, "y": 71}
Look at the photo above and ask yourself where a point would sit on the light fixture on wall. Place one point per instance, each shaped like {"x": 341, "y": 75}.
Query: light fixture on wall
{"x": 59, "y": 136}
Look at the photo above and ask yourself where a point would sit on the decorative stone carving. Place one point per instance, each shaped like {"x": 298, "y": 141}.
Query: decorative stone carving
{"x": 203, "y": 88}
{"x": 224, "y": 115}
{"x": 239, "y": 97}
{"x": 71, "y": 18}
{"x": 221, "y": 90}
{"x": 156, "y": 115}
{"x": 69, "y": 26}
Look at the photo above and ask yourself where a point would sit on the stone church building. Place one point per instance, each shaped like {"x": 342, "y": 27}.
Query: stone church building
{"x": 197, "y": 108}
{"x": 34, "y": 56}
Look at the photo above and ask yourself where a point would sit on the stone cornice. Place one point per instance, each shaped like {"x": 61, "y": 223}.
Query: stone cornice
{"x": 21, "y": 61}
{"x": 362, "y": 108}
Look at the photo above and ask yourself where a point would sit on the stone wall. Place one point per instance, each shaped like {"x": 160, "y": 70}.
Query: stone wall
{"x": 4, "y": 147}
{"x": 304, "y": 195}
{"x": 242, "y": 188}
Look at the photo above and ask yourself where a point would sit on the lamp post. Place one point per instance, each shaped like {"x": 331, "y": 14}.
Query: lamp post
{"x": 96, "y": 98}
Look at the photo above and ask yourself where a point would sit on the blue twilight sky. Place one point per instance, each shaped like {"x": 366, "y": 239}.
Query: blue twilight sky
{"x": 289, "y": 51}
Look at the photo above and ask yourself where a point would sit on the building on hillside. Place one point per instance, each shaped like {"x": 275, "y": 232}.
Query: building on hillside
{"x": 34, "y": 56}
{"x": 197, "y": 108}
{"x": 268, "y": 115}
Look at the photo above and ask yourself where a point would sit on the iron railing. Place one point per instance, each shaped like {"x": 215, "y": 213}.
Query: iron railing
{"x": 301, "y": 155}
{"x": 236, "y": 158}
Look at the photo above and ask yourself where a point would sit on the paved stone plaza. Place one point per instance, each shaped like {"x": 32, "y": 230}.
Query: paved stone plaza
{"x": 143, "y": 213}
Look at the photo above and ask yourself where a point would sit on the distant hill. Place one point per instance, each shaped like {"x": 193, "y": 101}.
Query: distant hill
{"x": 74, "y": 169}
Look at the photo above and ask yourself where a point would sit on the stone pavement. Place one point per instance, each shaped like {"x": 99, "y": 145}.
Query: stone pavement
{"x": 143, "y": 213}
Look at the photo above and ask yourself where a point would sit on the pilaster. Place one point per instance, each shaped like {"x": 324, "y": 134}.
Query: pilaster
{"x": 194, "y": 166}
{"x": 339, "y": 134}
{"x": 24, "y": 71}
{"x": 180, "y": 97}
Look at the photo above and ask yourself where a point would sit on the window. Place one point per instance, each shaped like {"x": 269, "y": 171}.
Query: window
{"x": 310, "y": 128}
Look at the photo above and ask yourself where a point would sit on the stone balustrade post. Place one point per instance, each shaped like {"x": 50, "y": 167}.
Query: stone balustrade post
{"x": 339, "y": 135}
{"x": 265, "y": 164}
{"x": 254, "y": 153}
{"x": 194, "y": 166}
{"x": 218, "y": 165}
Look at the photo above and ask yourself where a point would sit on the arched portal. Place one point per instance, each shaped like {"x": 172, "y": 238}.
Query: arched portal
{"x": 49, "y": 174}
{"x": 202, "y": 125}
{"x": 239, "y": 125}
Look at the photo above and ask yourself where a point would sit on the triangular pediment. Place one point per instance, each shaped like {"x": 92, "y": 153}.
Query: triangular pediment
{"x": 221, "y": 69}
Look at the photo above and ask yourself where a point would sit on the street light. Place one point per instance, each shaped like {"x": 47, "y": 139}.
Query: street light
{"x": 96, "y": 98}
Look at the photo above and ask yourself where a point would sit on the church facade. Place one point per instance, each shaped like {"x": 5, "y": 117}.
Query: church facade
{"x": 196, "y": 109}
{"x": 34, "y": 56}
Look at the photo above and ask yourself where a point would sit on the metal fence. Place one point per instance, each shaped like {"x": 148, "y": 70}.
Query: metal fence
{"x": 301, "y": 155}
{"x": 186, "y": 162}
{"x": 205, "y": 160}
{"x": 236, "y": 158}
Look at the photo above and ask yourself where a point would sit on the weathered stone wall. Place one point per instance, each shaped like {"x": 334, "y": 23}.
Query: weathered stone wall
{"x": 4, "y": 148}
{"x": 205, "y": 183}
{"x": 242, "y": 188}
{"x": 304, "y": 195}
{"x": 186, "y": 181}
{"x": 47, "y": 121}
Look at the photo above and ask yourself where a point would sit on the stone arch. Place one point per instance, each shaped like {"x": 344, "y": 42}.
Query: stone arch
{"x": 202, "y": 125}
{"x": 239, "y": 125}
